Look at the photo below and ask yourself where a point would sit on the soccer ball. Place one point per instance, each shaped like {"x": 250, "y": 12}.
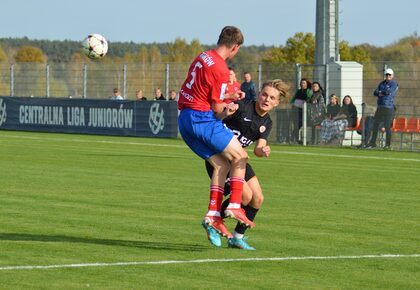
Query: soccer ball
{"x": 95, "y": 46}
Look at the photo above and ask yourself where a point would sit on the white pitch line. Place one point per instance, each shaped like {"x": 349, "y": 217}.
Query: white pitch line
{"x": 168, "y": 262}
{"x": 346, "y": 156}
{"x": 185, "y": 146}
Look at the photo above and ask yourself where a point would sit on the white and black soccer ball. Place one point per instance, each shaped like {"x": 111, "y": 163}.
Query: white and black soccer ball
{"x": 95, "y": 46}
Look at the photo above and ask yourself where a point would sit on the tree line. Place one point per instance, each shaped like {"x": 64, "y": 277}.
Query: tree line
{"x": 300, "y": 48}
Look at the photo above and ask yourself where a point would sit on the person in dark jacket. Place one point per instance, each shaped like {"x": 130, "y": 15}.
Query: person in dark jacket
{"x": 302, "y": 95}
{"x": 248, "y": 87}
{"x": 349, "y": 109}
{"x": 316, "y": 109}
{"x": 386, "y": 92}
{"x": 333, "y": 107}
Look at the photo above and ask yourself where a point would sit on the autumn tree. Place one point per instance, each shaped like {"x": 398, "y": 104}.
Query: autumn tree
{"x": 345, "y": 51}
{"x": 142, "y": 54}
{"x": 360, "y": 55}
{"x": 194, "y": 49}
{"x": 3, "y": 56}
{"x": 177, "y": 51}
{"x": 29, "y": 53}
{"x": 4, "y": 85}
{"x": 300, "y": 48}
{"x": 275, "y": 55}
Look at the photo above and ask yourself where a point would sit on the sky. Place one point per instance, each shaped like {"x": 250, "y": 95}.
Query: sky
{"x": 263, "y": 22}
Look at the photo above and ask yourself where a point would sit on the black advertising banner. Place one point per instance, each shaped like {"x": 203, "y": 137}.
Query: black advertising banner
{"x": 84, "y": 116}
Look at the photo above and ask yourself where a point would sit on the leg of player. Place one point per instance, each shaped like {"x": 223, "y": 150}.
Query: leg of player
{"x": 238, "y": 158}
{"x": 246, "y": 197}
{"x": 212, "y": 222}
{"x": 251, "y": 209}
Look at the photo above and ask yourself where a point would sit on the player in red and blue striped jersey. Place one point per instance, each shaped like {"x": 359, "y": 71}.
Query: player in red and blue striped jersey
{"x": 202, "y": 109}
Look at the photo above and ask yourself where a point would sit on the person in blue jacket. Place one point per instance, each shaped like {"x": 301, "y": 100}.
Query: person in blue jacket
{"x": 386, "y": 92}
{"x": 248, "y": 87}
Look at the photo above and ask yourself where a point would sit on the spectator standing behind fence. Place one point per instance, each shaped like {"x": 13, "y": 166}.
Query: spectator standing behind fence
{"x": 139, "y": 96}
{"x": 173, "y": 95}
{"x": 335, "y": 128}
{"x": 158, "y": 95}
{"x": 117, "y": 95}
{"x": 386, "y": 92}
{"x": 248, "y": 87}
{"x": 302, "y": 95}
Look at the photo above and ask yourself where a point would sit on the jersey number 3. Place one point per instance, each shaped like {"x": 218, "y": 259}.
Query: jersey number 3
{"x": 193, "y": 74}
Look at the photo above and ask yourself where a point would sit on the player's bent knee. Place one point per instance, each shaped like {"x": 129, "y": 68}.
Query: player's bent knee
{"x": 257, "y": 200}
{"x": 241, "y": 156}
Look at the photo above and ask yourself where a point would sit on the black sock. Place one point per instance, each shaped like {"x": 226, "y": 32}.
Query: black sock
{"x": 224, "y": 206}
{"x": 250, "y": 212}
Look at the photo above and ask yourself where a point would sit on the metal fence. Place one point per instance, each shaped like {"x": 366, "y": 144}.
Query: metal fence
{"x": 96, "y": 80}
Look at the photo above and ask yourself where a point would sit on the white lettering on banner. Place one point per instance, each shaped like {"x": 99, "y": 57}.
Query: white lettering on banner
{"x": 98, "y": 117}
{"x": 75, "y": 116}
{"x": 3, "y": 114}
{"x": 41, "y": 115}
{"x": 111, "y": 118}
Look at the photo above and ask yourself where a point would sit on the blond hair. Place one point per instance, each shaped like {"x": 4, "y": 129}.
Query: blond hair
{"x": 279, "y": 85}
{"x": 334, "y": 96}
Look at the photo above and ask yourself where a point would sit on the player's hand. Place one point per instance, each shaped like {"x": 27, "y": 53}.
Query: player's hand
{"x": 230, "y": 109}
{"x": 241, "y": 95}
{"x": 238, "y": 95}
{"x": 266, "y": 150}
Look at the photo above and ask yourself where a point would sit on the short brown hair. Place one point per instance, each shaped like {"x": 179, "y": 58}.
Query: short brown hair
{"x": 230, "y": 36}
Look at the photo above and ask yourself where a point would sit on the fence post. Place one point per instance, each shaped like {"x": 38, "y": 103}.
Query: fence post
{"x": 47, "y": 80}
{"x": 327, "y": 81}
{"x": 12, "y": 80}
{"x": 259, "y": 77}
{"x": 84, "y": 80}
{"x": 167, "y": 82}
{"x": 364, "y": 141}
{"x": 304, "y": 110}
{"x": 298, "y": 75}
{"x": 385, "y": 68}
{"x": 125, "y": 81}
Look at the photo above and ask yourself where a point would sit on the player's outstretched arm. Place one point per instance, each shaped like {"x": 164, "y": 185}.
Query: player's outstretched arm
{"x": 223, "y": 110}
{"x": 261, "y": 148}
{"x": 236, "y": 96}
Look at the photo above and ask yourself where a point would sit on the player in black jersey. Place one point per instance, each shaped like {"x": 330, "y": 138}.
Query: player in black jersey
{"x": 251, "y": 123}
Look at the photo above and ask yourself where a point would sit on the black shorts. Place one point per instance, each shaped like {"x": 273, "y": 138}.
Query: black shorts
{"x": 249, "y": 173}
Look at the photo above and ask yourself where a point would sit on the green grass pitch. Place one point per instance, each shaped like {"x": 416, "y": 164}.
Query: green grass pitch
{"x": 79, "y": 199}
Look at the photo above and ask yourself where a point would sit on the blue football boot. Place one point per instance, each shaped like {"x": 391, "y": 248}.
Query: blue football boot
{"x": 212, "y": 234}
{"x": 239, "y": 244}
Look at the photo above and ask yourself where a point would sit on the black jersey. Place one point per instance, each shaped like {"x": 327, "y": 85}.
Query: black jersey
{"x": 247, "y": 125}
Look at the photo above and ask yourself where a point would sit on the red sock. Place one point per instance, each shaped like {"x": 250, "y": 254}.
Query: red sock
{"x": 216, "y": 198}
{"x": 236, "y": 188}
